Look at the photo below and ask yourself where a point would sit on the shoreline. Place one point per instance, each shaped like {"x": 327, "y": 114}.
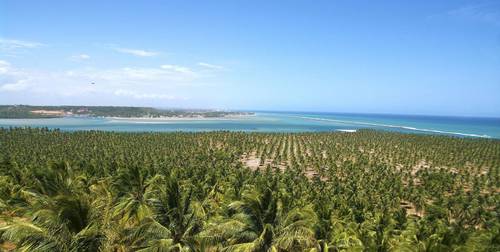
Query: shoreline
{"x": 179, "y": 118}
{"x": 164, "y": 118}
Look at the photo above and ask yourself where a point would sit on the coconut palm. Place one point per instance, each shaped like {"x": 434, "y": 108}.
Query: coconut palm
{"x": 255, "y": 224}
{"x": 134, "y": 188}
{"x": 61, "y": 223}
{"x": 365, "y": 191}
{"x": 175, "y": 221}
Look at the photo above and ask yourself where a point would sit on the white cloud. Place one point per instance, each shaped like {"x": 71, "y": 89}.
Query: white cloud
{"x": 210, "y": 66}
{"x": 179, "y": 69}
{"x": 136, "y": 52}
{"x": 4, "y": 66}
{"x": 141, "y": 75}
{"x": 8, "y": 44}
{"x": 139, "y": 95}
{"x": 80, "y": 57}
{"x": 11, "y": 79}
{"x": 159, "y": 84}
{"x": 16, "y": 86}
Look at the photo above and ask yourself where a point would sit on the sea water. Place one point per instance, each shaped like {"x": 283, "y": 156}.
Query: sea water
{"x": 281, "y": 122}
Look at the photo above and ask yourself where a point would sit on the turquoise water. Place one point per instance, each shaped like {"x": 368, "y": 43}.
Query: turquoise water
{"x": 282, "y": 122}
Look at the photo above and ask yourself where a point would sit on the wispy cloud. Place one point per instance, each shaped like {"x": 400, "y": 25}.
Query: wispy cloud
{"x": 12, "y": 79}
{"x": 488, "y": 12}
{"x": 210, "y": 66}
{"x": 179, "y": 69}
{"x": 178, "y": 76}
{"x": 18, "y": 85}
{"x": 4, "y": 66}
{"x": 136, "y": 52}
{"x": 162, "y": 83}
{"x": 80, "y": 57}
{"x": 14, "y": 44}
{"x": 140, "y": 95}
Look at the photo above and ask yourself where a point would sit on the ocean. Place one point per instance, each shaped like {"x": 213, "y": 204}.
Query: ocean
{"x": 281, "y": 122}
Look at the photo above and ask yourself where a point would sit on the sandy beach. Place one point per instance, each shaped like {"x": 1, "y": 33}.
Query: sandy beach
{"x": 181, "y": 118}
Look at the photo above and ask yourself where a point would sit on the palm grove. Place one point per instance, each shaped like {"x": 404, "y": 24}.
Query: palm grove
{"x": 225, "y": 191}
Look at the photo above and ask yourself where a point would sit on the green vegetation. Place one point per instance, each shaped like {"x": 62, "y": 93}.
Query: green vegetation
{"x": 223, "y": 191}
{"x": 26, "y": 111}
{"x": 21, "y": 111}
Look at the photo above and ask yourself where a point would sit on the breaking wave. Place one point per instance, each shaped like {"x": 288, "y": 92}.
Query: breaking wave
{"x": 347, "y": 130}
{"x": 396, "y": 126}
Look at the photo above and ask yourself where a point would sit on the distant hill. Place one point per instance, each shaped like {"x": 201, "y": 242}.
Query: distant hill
{"x": 27, "y": 111}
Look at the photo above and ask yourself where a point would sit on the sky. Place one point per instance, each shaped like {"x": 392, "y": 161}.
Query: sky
{"x": 397, "y": 57}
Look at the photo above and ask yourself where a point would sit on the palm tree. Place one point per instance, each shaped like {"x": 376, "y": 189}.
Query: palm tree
{"x": 134, "y": 189}
{"x": 61, "y": 223}
{"x": 175, "y": 221}
{"x": 256, "y": 224}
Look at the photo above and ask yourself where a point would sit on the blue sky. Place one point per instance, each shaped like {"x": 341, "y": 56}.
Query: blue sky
{"x": 404, "y": 57}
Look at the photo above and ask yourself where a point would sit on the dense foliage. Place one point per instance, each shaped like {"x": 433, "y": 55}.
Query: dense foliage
{"x": 26, "y": 111}
{"x": 21, "y": 111}
{"x": 223, "y": 191}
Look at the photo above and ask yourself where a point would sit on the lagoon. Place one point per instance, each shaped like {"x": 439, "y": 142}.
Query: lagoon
{"x": 279, "y": 122}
